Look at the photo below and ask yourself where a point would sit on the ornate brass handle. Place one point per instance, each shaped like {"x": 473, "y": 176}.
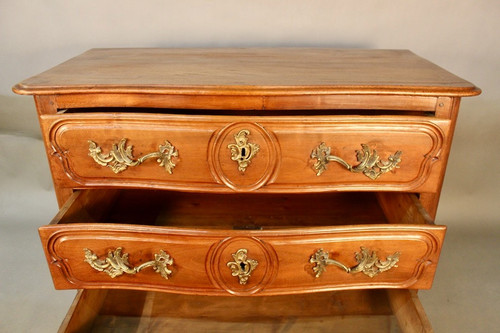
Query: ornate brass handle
{"x": 368, "y": 262}
{"x": 242, "y": 266}
{"x": 119, "y": 158}
{"x": 116, "y": 263}
{"x": 243, "y": 151}
{"x": 369, "y": 161}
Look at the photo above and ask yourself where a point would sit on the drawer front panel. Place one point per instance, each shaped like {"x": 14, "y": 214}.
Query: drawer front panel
{"x": 221, "y": 262}
{"x": 272, "y": 154}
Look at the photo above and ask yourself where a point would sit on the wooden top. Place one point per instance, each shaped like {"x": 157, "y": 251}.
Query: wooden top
{"x": 252, "y": 71}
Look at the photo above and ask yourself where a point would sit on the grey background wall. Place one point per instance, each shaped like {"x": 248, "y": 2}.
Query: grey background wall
{"x": 461, "y": 36}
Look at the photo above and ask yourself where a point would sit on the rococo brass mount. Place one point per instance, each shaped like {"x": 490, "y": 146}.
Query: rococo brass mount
{"x": 368, "y": 262}
{"x": 242, "y": 266}
{"x": 119, "y": 158}
{"x": 243, "y": 151}
{"x": 369, "y": 161}
{"x": 117, "y": 263}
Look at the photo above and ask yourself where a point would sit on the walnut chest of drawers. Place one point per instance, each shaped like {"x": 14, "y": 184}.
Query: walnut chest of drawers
{"x": 215, "y": 183}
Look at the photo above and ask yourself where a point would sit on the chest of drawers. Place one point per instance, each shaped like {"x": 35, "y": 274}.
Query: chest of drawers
{"x": 205, "y": 176}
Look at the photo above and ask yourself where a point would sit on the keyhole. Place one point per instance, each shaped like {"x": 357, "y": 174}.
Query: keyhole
{"x": 243, "y": 153}
{"x": 243, "y": 265}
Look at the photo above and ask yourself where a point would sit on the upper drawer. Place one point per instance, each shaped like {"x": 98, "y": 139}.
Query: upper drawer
{"x": 273, "y": 154}
{"x": 241, "y": 244}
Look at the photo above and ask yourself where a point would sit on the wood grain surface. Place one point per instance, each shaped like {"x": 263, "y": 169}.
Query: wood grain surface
{"x": 204, "y": 160}
{"x": 360, "y": 311}
{"x": 290, "y": 100}
{"x": 271, "y": 71}
{"x": 196, "y": 232}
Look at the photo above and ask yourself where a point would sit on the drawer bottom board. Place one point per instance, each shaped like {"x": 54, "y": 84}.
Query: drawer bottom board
{"x": 342, "y": 311}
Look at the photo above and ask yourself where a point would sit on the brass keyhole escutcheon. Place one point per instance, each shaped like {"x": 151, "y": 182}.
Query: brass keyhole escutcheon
{"x": 242, "y": 266}
{"x": 243, "y": 151}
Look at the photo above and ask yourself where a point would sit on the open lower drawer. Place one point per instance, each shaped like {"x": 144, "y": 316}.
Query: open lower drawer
{"x": 355, "y": 311}
{"x": 241, "y": 244}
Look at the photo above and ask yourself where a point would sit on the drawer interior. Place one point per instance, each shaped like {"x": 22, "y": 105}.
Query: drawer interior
{"x": 240, "y": 211}
{"x": 198, "y": 236}
{"x": 347, "y": 311}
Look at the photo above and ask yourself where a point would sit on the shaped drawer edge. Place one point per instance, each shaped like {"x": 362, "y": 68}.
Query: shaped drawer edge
{"x": 286, "y": 244}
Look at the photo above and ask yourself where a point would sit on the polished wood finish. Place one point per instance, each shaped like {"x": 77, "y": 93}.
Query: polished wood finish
{"x": 289, "y": 100}
{"x": 268, "y": 104}
{"x": 286, "y": 142}
{"x": 348, "y": 311}
{"x": 409, "y": 311}
{"x": 403, "y": 209}
{"x": 338, "y": 82}
{"x": 197, "y": 231}
{"x": 248, "y": 72}
{"x": 85, "y": 308}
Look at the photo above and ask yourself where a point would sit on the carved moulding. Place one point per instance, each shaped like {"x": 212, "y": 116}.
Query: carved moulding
{"x": 242, "y": 265}
{"x": 74, "y": 162}
{"x": 421, "y": 257}
{"x": 416, "y": 169}
{"x": 238, "y": 142}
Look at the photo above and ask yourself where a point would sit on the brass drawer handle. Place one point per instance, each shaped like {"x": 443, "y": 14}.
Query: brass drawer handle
{"x": 368, "y": 262}
{"x": 117, "y": 263}
{"x": 243, "y": 151}
{"x": 369, "y": 161}
{"x": 119, "y": 158}
{"x": 242, "y": 266}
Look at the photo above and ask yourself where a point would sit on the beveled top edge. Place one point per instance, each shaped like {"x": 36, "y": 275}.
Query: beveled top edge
{"x": 247, "y": 72}
{"x": 21, "y": 89}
